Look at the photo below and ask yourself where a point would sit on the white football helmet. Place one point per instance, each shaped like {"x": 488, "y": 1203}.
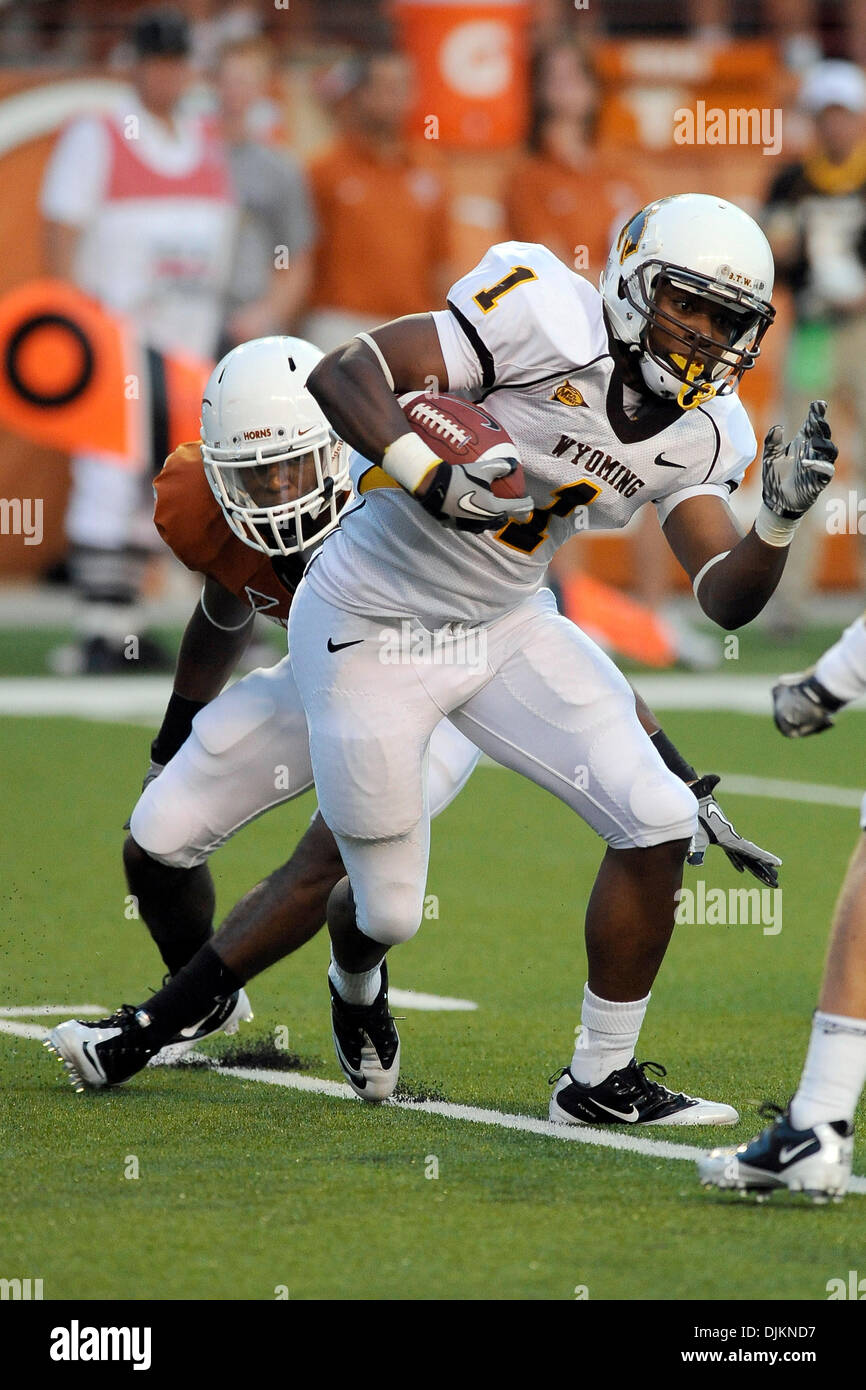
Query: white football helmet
{"x": 269, "y": 454}
{"x": 705, "y": 247}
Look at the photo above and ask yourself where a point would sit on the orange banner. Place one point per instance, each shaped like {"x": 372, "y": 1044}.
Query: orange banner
{"x": 74, "y": 376}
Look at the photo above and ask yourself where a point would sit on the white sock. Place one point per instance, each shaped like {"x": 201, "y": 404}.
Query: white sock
{"x": 834, "y": 1072}
{"x": 608, "y": 1036}
{"x": 842, "y": 669}
{"x": 355, "y": 988}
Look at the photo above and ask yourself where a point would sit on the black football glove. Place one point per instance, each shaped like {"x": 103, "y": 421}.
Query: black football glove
{"x": 714, "y": 828}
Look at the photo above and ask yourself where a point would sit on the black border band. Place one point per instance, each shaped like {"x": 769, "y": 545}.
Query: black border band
{"x": 20, "y": 337}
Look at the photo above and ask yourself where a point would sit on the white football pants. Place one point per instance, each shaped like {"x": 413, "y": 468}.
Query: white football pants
{"x": 248, "y": 751}
{"x": 531, "y": 690}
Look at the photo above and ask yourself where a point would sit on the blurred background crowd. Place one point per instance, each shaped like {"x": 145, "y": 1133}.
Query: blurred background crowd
{"x": 221, "y": 169}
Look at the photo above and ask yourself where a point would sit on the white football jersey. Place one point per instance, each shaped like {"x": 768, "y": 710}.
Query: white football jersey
{"x": 526, "y": 335}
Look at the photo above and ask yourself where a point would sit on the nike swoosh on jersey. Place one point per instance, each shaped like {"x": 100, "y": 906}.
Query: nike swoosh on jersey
{"x": 661, "y": 462}
{"x": 786, "y": 1155}
{"x": 338, "y": 646}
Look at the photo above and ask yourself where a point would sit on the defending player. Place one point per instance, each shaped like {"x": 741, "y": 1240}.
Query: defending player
{"x": 613, "y": 400}
{"x": 809, "y": 1147}
{"x": 247, "y": 750}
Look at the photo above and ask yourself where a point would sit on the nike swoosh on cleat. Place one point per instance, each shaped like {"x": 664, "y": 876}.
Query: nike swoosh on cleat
{"x": 358, "y": 1078}
{"x": 786, "y": 1155}
{"x": 92, "y": 1060}
{"x": 661, "y": 462}
{"x": 338, "y": 646}
{"x": 630, "y": 1118}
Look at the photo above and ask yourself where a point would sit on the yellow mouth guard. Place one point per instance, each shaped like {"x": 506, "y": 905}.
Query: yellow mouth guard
{"x": 691, "y": 394}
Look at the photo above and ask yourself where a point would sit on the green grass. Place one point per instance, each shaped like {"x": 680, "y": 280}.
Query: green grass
{"x": 245, "y": 1187}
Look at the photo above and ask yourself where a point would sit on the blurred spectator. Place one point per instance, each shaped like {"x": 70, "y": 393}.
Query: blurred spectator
{"x": 382, "y": 218}
{"x": 815, "y": 219}
{"x": 140, "y": 214}
{"x": 272, "y": 265}
{"x": 564, "y": 193}
{"x": 214, "y": 26}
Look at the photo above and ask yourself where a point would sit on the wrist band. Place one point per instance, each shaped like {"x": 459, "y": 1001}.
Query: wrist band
{"x": 176, "y": 725}
{"x": 773, "y": 529}
{"x": 408, "y": 460}
{"x": 672, "y": 758}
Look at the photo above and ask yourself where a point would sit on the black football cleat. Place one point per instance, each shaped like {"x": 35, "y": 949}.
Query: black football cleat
{"x": 112, "y": 1050}
{"x": 225, "y": 1017}
{"x": 814, "y": 1161}
{"x": 105, "y": 1053}
{"x": 629, "y": 1097}
{"x": 367, "y": 1043}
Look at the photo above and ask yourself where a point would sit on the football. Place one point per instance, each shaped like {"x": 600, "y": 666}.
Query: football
{"x": 460, "y": 432}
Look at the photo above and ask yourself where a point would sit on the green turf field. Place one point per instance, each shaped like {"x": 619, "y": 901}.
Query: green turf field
{"x": 246, "y": 1189}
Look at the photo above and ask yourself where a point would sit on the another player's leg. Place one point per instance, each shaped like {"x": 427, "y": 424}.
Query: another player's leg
{"x": 560, "y": 713}
{"x": 273, "y": 920}
{"x": 176, "y": 902}
{"x": 809, "y": 1146}
{"x": 248, "y": 751}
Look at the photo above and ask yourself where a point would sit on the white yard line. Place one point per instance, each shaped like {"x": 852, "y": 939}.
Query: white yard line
{"x": 472, "y": 1114}
{"x": 134, "y": 698}
{"x": 46, "y": 1010}
{"x": 430, "y": 1003}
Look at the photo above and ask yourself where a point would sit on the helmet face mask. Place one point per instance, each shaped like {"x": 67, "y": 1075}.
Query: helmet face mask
{"x": 281, "y": 501}
{"x": 714, "y": 259}
{"x": 269, "y": 454}
{"x": 705, "y": 365}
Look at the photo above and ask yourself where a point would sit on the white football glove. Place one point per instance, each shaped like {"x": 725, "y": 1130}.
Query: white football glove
{"x": 802, "y": 706}
{"x": 794, "y": 475}
{"x": 714, "y": 828}
{"x": 459, "y": 495}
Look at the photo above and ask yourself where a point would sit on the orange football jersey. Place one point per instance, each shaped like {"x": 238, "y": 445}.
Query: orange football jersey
{"x": 189, "y": 519}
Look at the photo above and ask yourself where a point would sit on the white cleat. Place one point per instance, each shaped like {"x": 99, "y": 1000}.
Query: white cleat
{"x": 814, "y": 1161}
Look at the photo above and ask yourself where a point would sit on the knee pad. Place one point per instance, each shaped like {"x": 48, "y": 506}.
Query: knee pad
{"x": 370, "y": 787}
{"x": 159, "y": 827}
{"x": 664, "y": 807}
{"x": 392, "y": 916}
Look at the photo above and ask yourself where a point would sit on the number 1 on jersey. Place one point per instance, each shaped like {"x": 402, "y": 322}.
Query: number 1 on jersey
{"x": 489, "y": 298}
{"x": 527, "y": 536}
